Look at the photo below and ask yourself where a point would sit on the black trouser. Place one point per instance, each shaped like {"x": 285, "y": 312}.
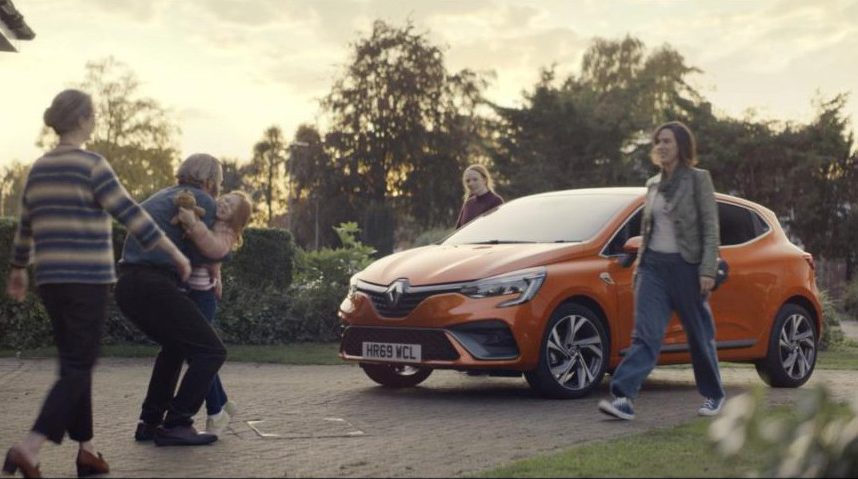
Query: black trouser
{"x": 77, "y": 313}
{"x": 150, "y": 297}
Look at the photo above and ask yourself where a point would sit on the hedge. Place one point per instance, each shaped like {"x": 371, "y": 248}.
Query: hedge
{"x": 257, "y": 307}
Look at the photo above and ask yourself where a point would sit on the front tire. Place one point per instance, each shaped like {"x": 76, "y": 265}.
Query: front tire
{"x": 573, "y": 356}
{"x": 396, "y": 375}
{"x": 791, "y": 358}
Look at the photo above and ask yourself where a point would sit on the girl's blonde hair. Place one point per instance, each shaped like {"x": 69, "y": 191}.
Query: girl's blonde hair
{"x": 241, "y": 216}
{"x": 482, "y": 171}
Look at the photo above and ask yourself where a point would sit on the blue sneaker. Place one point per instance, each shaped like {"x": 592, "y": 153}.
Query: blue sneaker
{"x": 711, "y": 407}
{"x": 620, "y": 408}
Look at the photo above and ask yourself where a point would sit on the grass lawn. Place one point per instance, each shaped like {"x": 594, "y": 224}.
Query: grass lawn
{"x": 680, "y": 451}
{"x": 297, "y": 353}
{"x": 841, "y": 356}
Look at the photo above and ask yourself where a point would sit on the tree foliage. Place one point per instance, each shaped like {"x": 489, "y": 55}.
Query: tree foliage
{"x": 134, "y": 132}
{"x": 13, "y": 177}
{"x": 267, "y": 172}
{"x": 403, "y": 124}
{"x": 319, "y": 190}
{"x": 579, "y": 132}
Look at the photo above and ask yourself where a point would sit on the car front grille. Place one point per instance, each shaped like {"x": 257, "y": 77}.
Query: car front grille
{"x": 407, "y": 302}
{"x": 398, "y": 299}
{"x": 433, "y": 342}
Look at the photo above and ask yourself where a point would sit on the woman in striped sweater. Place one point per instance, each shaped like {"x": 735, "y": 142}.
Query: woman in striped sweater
{"x": 65, "y": 228}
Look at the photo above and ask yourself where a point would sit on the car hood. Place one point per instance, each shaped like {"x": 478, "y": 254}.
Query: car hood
{"x": 437, "y": 264}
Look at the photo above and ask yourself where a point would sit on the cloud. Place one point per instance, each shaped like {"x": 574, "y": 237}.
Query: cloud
{"x": 139, "y": 10}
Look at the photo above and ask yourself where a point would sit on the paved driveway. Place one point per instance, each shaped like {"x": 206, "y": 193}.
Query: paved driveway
{"x": 332, "y": 421}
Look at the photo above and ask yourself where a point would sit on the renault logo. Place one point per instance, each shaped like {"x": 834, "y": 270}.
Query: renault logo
{"x": 395, "y": 291}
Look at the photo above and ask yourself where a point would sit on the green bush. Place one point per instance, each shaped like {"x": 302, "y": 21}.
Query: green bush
{"x": 832, "y": 333}
{"x": 432, "y": 236}
{"x": 850, "y": 300}
{"x": 321, "y": 283}
{"x": 254, "y": 309}
{"x": 818, "y": 439}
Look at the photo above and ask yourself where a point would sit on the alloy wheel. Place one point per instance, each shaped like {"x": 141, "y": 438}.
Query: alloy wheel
{"x": 797, "y": 346}
{"x": 575, "y": 352}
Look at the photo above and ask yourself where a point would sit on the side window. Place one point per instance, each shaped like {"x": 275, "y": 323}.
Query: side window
{"x": 632, "y": 227}
{"x": 739, "y": 225}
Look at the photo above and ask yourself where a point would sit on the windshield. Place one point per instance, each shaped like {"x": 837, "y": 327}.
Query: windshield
{"x": 543, "y": 219}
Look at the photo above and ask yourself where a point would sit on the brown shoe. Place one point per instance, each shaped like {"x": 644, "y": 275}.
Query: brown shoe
{"x": 90, "y": 465}
{"x": 15, "y": 460}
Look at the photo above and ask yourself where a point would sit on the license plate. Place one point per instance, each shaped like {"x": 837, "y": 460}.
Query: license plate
{"x": 406, "y": 353}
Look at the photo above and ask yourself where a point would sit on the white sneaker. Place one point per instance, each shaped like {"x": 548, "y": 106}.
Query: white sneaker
{"x": 217, "y": 423}
{"x": 231, "y": 408}
{"x": 711, "y": 407}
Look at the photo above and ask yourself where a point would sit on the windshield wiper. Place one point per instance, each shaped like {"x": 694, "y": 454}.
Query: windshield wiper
{"x": 566, "y": 241}
{"x": 500, "y": 242}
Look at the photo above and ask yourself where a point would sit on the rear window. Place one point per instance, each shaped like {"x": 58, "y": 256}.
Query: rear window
{"x": 739, "y": 225}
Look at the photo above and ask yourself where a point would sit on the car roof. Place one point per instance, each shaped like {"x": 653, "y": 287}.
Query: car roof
{"x": 612, "y": 191}
{"x": 640, "y": 191}
{"x": 632, "y": 191}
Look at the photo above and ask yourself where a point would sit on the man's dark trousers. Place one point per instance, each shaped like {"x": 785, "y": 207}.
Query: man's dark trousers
{"x": 150, "y": 297}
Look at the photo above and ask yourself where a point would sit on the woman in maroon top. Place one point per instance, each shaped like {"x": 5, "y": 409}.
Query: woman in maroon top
{"x": 479, "y": 196}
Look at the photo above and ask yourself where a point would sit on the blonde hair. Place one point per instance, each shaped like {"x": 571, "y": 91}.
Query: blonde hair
{"x": 482, "y": 171}
{"x": 241, "y": 216}
{"x": 199, "y": 169}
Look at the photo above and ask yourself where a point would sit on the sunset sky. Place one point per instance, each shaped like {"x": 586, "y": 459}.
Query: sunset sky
{"x": 227, "y": 69}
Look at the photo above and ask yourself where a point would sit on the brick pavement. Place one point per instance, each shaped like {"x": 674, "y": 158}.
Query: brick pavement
{"x": 449, "y": 426}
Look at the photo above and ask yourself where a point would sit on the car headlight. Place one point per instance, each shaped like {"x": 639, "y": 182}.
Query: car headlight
{"x": 523, "y": 284}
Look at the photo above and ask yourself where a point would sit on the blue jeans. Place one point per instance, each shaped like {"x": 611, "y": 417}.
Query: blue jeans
{"x": 666, "y": 283}
{"x": 207, "y": 302}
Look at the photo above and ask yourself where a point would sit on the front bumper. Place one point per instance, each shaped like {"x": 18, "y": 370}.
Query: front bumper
{"x": 454, "y": 331}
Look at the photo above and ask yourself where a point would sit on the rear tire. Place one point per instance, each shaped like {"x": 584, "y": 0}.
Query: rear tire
{"x": 573, "y": 356}
{"x": 791, "y": 357}
{"x": 396, "y": 375}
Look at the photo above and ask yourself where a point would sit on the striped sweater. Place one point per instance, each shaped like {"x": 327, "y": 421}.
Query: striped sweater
{"x": 65, "y": 225}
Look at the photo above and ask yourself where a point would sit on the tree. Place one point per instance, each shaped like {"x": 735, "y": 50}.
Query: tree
{"x": 135, "y": 133}
{"x": 583, "y": 131}
{"x": 397, "y": 115}
{"x": 318, "y": 191}
{"x": 12, "y": 181}
{"x": 268, "y": 172}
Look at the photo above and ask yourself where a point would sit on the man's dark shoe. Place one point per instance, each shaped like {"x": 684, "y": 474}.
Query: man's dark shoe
{"x": 145, "y": 432}
{"x": 182, "y": 436}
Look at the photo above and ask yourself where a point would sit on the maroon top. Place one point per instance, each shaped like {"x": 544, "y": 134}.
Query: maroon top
{"x": 476, "y": 205}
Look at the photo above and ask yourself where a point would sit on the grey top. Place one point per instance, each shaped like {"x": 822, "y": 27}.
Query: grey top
{"x": 663, "y": 237}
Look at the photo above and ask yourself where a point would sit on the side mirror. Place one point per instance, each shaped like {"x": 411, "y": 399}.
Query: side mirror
{"x": 630, "y": 250}
{"x": 633, "y": 245}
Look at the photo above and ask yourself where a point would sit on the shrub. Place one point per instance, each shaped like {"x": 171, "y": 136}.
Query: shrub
{"x": 832, "y": 334}
{"x": 321, "y": 283}
{"x": 254, "y": 308}
{"x": 819, "y": 440}
{"x": 432, "y": 236}
{"x": 850, "y": 300}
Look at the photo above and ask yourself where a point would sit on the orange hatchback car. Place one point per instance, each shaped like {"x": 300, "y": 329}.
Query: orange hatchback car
{"x": 542, "y": 286}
